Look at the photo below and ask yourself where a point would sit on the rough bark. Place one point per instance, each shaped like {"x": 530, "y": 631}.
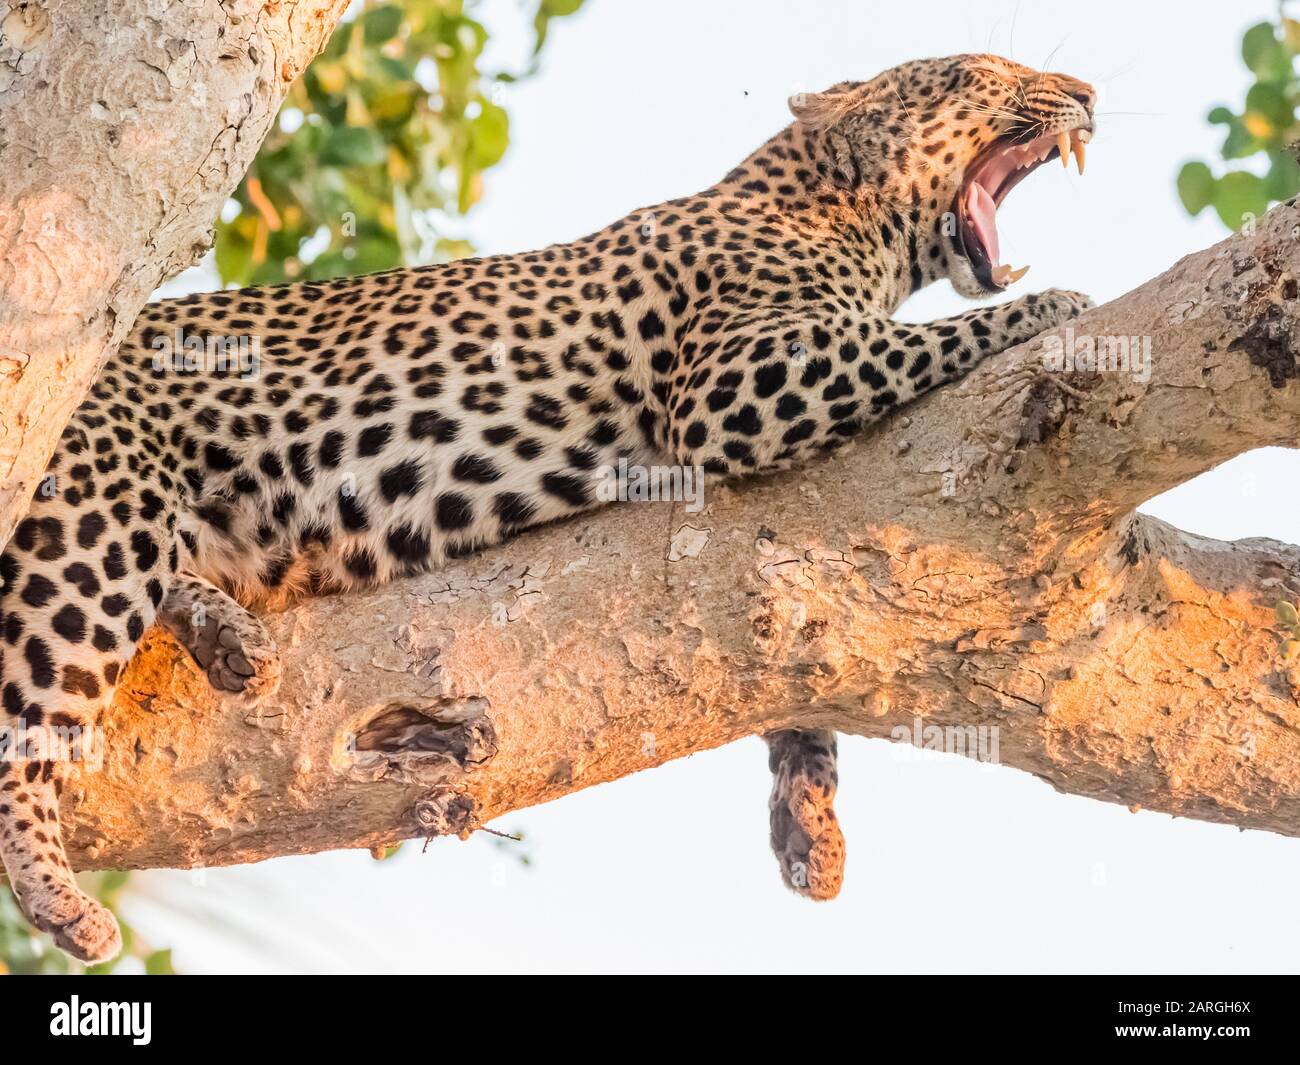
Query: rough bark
{"x": 973, "y": 561}
{"x": 123, "y": 128}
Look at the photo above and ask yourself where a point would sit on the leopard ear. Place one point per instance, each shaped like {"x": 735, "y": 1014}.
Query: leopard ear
{"x": 820, "y": 110}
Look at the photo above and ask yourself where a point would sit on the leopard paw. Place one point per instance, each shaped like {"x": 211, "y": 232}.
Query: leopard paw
{"x": 80, "y": 926}
{"x": 229, "y": 644}
{"x": 240, "y": 659}
{"x": 1059, "y": 305}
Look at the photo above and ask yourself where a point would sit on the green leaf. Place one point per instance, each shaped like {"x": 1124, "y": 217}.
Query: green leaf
{"x": 1257, "y": 43}
{"x": 377, "y": 253}
{"x": 1240, "y": 142}
{"x": 1283, "y": 178}
{"x": 382, "y": 23}
{"x": 159, "y": 963}
{"x": 1264, "y": 54}
{"x": 352, "y": 146}
{"x": 338, "y": 42}
{"x": 449, "y": 249}
{"x": 1240, "y": 196}
{"x": 395, "y": 106}
{"x": 547, "y": 10}
{"x": 489, "y": 133}
{"x": 1269, "y": 101}
{"x": 1195, "y": 187}
{"x": 234, "y": 251}
{"x": 111, "y": 883}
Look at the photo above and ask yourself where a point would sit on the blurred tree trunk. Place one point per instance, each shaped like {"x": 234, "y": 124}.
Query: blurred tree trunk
{"x": 974, "y": 564}
{"x": 123, "y": 128}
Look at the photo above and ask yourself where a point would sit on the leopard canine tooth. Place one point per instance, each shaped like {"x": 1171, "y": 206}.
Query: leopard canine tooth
{"x": 1003, "y": 275}
{"x": 1079, "y": 150}
{"x": 1063, "y": 146}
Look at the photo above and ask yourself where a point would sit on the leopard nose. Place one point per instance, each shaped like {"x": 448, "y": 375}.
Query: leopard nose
{"x": 1080, "y": 91}
{"x": 1084, "y": 95}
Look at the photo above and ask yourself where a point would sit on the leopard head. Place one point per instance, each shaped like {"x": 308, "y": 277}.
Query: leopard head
{"x": 942, "y": 142}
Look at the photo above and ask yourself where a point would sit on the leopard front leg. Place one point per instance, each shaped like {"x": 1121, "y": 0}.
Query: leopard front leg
{"x": 765, "y": 394}
{"x": 230, "y": 645}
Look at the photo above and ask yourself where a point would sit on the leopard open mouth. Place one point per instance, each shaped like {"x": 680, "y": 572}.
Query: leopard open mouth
{"x": 995, "y": 172}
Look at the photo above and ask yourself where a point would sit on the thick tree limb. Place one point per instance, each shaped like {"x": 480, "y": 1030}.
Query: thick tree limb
{"x": 123, "y": 128}
{"x": 975, "y": 561}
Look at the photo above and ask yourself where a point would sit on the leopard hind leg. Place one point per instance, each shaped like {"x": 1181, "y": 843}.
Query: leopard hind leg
{"x": 80, "y": 582}
{"x": 806, "y": 836}
{"x": 31, "y": 846}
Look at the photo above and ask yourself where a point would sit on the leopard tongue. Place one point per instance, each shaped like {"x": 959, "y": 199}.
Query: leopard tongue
{"x": 983, "y": 215}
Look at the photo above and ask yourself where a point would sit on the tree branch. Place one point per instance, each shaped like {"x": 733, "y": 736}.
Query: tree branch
{"x": 975, "y": 561}
{"x": 121, "y": 137}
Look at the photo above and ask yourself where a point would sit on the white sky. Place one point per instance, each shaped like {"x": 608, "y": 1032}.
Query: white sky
{"x": 953, "y": 866}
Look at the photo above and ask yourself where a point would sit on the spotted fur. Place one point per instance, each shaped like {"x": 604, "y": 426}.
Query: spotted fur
{"x": 404, "y": 417}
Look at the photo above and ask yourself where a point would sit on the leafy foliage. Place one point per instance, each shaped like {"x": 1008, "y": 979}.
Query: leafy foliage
{"x": 385, "y": 137}
{"x": 382, "y": 141}
{"x": 1264, "y": 131}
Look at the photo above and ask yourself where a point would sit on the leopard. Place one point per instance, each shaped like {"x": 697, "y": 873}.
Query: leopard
{"x": 396, "y": 420}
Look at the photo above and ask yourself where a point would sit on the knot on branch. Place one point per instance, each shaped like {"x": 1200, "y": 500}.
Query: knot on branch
{"x": 1266, "y": 326}
{"x": 444, "y": 812}
{"x": 1136, "y": 543}
{"x": 1267, "y": 340}
{"x": 422, "y": 745}
{"x": 1043, "y": 412}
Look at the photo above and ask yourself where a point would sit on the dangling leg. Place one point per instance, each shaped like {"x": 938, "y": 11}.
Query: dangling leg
{"x": 806, "y": 837}
{"x": 231, "y": 645}
{"x": 79, "y": 583}
{"x": 32, "y": 848}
